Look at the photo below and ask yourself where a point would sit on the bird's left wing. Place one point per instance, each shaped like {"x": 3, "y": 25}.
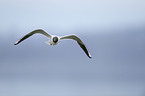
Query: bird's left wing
{"x": 32, "y": 33}
{"x": 79, "y": 41}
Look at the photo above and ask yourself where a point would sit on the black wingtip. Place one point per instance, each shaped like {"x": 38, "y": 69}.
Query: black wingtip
{"x": 16, "y": 44}
{"x": 89, "y": 56}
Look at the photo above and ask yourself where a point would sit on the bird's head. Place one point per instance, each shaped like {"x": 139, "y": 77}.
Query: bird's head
{"x": 55, "y": 39}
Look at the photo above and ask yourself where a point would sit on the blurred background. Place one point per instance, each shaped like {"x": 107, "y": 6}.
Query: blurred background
{"x": 113, "y": 31}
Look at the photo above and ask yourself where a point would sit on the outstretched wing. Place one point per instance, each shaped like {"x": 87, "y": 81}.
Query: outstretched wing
{"x": 79, "y": 41}
{"x": 32, "y": 33}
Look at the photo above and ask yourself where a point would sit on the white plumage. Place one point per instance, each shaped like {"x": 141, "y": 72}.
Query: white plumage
{"x": 54, "y": 40}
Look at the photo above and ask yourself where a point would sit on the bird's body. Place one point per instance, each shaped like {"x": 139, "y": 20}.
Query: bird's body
{"x": 54, "y": 39}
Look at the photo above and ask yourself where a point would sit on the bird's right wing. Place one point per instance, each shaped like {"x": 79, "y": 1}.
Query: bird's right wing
{"x": 79, "y": 41}
{"x": 32, "y": 33}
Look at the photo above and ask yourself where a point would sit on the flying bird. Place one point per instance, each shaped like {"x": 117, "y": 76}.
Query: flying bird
{"x": 54, "y": 40}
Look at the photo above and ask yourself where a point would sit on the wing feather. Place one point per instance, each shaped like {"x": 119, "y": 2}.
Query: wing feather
{"x": 32, "y": 33}
{"x": 79, "y": 41}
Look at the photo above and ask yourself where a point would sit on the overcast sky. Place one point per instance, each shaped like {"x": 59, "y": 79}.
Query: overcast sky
{"x": 113, "y": 31}
{"x": 67, "y": 16}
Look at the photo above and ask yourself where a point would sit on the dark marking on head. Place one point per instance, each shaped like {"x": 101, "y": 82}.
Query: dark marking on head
{"x": 55, "y": 39}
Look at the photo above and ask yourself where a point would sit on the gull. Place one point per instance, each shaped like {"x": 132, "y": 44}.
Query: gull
{"x": 54, "y": 39}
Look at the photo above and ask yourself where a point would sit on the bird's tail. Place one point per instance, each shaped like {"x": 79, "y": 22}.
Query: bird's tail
{"x": 48, "y": 42}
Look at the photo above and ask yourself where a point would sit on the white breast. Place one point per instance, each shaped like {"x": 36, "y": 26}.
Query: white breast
{"x": 52, "y": 42}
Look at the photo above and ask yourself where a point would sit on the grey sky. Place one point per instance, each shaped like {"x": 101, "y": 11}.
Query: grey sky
{"x": 113, "y": 31}
{"x": 68, "y": 15}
